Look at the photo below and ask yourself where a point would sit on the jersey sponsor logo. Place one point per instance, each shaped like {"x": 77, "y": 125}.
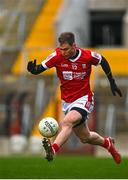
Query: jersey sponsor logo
{"x": 69, "y": 75}
{"x": 96, "y": 55}
{"x": 64, "y": 65}
{"x": 80, "y": 75}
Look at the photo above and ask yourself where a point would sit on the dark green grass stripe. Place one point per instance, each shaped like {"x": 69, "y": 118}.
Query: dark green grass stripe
{"x": 63, "y": 167}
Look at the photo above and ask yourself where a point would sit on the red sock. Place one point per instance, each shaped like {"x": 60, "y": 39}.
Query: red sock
{"x": 55, "y": 147}
{"x": 105, "y": 143}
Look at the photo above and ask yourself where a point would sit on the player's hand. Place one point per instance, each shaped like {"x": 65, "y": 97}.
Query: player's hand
{"x": 31, "y": 66}
{"x": 115, "y": 90}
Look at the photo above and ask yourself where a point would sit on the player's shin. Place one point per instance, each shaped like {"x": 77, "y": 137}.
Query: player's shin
{"x": 62, "y": 137}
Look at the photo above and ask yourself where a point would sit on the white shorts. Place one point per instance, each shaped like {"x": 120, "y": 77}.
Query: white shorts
{"x": 83, "y": 103}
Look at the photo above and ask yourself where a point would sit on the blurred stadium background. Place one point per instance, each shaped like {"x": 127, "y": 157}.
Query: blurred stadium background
{"x": 28, "y": 30}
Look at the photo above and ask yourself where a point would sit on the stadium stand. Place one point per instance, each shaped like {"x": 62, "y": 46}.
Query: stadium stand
{"x": 16, "y": 17}
{"x": 42, "y": 35}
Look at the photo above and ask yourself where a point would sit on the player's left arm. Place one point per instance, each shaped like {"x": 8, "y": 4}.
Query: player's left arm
{"x": 106, "y": 68}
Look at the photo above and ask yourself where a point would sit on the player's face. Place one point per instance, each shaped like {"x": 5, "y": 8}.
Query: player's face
{"x": 67, "y": 50}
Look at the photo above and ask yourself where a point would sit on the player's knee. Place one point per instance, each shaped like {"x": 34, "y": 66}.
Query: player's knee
{"x": 66, "y": 123}
{"x": 86, "y": 139}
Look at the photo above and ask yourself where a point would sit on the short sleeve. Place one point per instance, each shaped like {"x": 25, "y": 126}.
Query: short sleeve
{"x": 50, "y": 61}
{"x": 95, "y": 58}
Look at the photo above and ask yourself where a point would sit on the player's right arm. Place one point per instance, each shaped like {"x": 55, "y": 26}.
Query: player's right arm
{"x": 49, "y": 62}
{"x": 35, "y": 69}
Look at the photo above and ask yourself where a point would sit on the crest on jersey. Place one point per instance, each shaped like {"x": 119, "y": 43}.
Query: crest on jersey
{"x": 83, "y": 66}
{"x": 74, "y": 66}
{"x": 64, "y": 65}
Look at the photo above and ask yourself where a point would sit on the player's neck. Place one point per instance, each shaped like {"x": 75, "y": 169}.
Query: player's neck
{"x": 76, "y": 52}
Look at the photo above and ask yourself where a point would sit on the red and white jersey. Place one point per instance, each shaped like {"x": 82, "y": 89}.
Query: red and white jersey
{"x": 74, "y": 74}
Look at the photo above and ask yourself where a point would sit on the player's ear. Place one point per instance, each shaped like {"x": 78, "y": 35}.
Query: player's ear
{"x": 74, "y": 45}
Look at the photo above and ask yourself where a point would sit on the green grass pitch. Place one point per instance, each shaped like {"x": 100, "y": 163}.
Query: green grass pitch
{"x": 63, "y": 167}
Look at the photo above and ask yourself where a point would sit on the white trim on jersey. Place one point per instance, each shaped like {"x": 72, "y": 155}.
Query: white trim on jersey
{"x": 47, "y": 59}
{"x": 97, "y": 56}
{"x": 99, "y": 61}
{"x": 44, "y": 65}
{"x": 73, "y": 60}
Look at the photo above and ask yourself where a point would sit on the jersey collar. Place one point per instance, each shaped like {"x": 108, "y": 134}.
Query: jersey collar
{"x": 75, "y": 59}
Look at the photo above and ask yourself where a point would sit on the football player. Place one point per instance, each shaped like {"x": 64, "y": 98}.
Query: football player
{"x": 73, "y": 66}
